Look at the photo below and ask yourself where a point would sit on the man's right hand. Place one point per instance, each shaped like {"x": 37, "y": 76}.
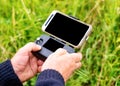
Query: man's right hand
{"x": 63, "y": 62}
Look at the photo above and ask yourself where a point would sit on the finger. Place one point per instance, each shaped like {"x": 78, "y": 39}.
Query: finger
{"x": 76, "y": 56}
{"x": 78, "y": 65}
{"x": 60, "y": 52}
{"x": 40, "y": 63}
{"x": 33, "y": 65}
{"x": 32, "y": 47}
{"x": 39, "y": 69}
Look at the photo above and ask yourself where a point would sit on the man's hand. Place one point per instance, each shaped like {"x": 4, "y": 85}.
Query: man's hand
{"x": 63, "y": 62}
{"x": 25, "y": 64}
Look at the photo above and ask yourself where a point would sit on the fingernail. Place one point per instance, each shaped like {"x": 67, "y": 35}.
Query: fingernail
{"x": 39, "y": 46}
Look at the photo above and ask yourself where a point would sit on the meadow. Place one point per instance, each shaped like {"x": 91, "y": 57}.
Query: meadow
{"x": 21, "y": 22}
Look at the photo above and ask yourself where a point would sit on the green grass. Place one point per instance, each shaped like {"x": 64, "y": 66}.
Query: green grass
{"x": 21, "y": 21}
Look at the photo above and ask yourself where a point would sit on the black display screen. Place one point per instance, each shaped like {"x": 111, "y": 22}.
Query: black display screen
{"x": 67, "y": 29}
{"x": 53, "y": 45}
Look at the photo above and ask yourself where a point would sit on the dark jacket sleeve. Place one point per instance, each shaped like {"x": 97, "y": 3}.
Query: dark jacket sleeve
{"x": 50, "y": 78}
{"x": 7, "y": 75}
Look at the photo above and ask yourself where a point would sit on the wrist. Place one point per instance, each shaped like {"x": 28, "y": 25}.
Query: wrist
{"x": 16, "y": 70}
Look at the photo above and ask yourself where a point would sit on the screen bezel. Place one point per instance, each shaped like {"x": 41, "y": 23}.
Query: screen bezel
{"x": 49, "y": 19}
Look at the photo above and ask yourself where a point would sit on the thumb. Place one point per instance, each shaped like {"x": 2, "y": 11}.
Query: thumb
{"x": 32, "y": 47}
{"x": 60, "y": 51}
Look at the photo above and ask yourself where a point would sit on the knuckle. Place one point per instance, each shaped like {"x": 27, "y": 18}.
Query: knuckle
{"x": 30, "y": 43}
{"x": 61, "y": 49}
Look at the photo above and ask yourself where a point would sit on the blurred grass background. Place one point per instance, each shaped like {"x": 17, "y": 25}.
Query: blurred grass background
{"x": 21, "y": 21}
